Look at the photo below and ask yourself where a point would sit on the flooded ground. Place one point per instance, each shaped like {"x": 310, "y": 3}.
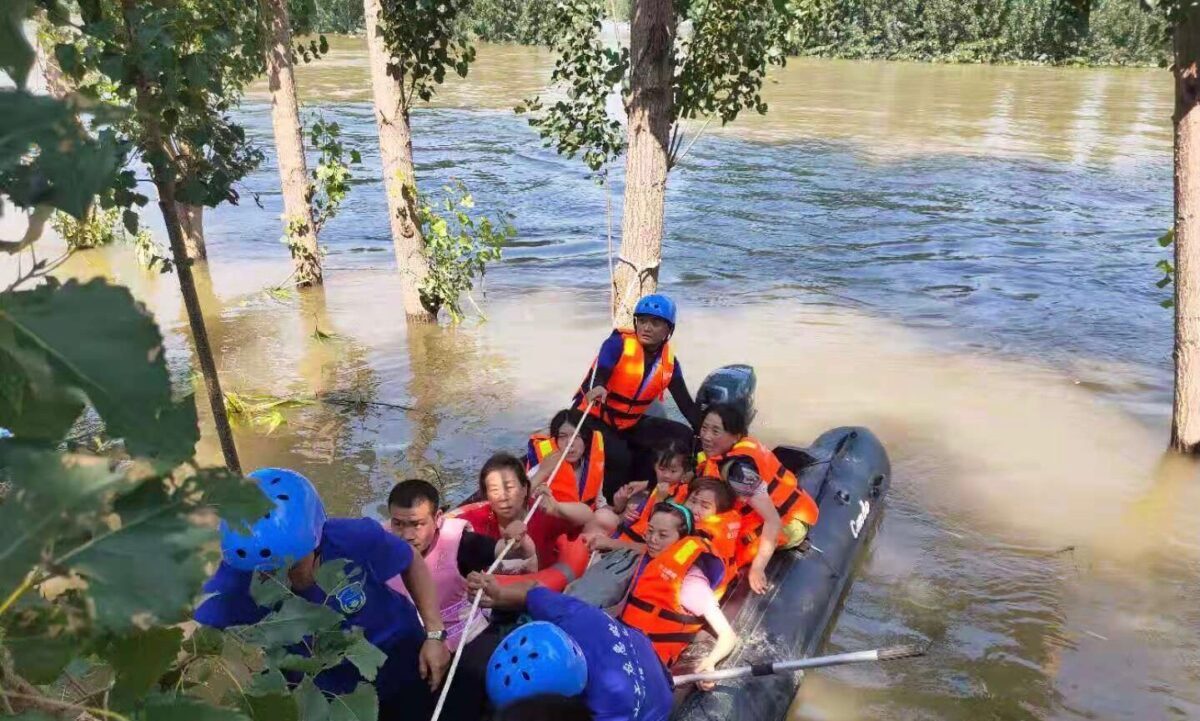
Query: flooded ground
{"x": 959, "y": 257}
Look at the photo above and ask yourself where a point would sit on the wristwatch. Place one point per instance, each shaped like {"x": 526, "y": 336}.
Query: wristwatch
{"x": 435, "y": 635}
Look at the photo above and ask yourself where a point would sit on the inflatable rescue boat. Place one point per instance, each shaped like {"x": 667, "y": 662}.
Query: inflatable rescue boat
{"x": 846, "y": 470}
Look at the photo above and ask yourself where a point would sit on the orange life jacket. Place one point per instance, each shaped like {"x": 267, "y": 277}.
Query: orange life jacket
{"x": 792, "y": 502}
{"x": 654, "y": 606}
{"x": 565, "y": 486}
{"x": 630, "y": 393}
{"x": 636, "y": 532}
{"x": 720, "y": 530}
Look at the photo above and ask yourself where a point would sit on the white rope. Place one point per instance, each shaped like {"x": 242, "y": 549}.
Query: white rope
{"x": 437, "y": 712}
{"x": 612, "y": 277}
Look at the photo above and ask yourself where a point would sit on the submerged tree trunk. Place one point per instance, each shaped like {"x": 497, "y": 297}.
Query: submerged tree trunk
{"x": 289, "y": 144}
{"x": 191, "y": 302}
{"x": 154, "y": 141}
{"x": 1185, "y": 428}
{"x": 652, "y": 41}
{"x": 395, "y": 147}
{"x": 191, "y": 227}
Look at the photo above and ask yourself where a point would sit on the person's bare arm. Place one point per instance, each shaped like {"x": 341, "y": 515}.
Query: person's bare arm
{"x": 434, "y": 656}
{"x": 761, "y": 503}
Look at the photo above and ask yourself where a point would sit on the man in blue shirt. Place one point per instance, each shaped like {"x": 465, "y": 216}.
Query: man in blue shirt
{"x": 575, "y": 658}
{"x": 296, "y": 537}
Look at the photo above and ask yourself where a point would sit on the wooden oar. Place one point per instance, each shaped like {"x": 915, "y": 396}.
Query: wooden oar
{"x": 890, "y": 653}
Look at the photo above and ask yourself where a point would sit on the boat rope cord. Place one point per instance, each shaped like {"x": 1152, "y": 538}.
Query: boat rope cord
{"x": 437, "y": 712}
{"x": 612, "y": 277}
{"x": 639, "y": 274}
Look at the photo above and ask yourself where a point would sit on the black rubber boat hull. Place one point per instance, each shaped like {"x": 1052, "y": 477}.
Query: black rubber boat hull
{"x": 848, "y": 473}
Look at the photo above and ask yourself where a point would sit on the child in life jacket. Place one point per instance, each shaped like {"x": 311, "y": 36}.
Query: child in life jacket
{"x": 672, "y": 470}
{"x": 673, "y": 593}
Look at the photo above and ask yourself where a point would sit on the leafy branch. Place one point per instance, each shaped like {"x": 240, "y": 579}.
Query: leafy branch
{"x": 587, "y": 70}
{"x": 458, "y": 247}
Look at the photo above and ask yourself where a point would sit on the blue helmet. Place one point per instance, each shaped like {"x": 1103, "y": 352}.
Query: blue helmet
{"x": 657, "y": 305}
{"x": 537, "y": 658}
{"x": 289, "y": 532}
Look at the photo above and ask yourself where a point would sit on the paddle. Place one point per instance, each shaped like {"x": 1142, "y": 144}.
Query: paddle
{"x": 890, "y": 653}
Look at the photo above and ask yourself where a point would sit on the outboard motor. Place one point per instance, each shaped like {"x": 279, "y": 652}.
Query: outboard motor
{"x": 729, "y": 384}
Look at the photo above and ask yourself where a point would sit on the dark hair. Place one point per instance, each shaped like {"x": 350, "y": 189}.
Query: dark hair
{"x": 499, "y": 462}
{"x": 686, "y": 523}
{"x": 720, "y": 489}
{"x": 732, "y": 418}
{"x": 408, "y": 493}
{"x": 575, "y": 418}
{"x": 672, "y": 449}
{"x": 546, "y": 707}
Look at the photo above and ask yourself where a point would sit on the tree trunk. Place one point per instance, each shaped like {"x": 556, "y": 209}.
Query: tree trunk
{"x": 652, "y": 40}
{"x": 395, "y": 147}
{"x": 191, "y": 302}
{"x": 1185, "y": 428}
{"x": 57, "y": 85}
{"x": 191, "y": 227}
{"x": 172, "y": 217}
{"x": 289, "y": 145}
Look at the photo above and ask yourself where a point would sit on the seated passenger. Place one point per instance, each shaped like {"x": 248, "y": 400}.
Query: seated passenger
{"x": 672, "y": 596}
{"x": 777, "y": 512}
{"x": 712, "y": 503}
{"x": 450, "y": 548}
{"x": 502, "y": 481}
{"x": 580, "y": 478}
{"x": 672, "y": 470}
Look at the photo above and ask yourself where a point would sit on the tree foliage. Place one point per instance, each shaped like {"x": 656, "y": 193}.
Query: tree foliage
{"x": 721, "y": 60}
{"x": 426, "y": 41}
{"x": 101, "y": 556}
{"x": 586, "y": 71}
{"x": 1054, "y": 31}
{"x": 459, "y": 247}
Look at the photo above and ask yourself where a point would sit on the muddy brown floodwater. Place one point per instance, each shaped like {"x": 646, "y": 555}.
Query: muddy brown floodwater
{"x": 959, "y": 257}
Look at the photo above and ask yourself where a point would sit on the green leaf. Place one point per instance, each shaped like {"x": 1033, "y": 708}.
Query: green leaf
{"x": 331, "y": 575}
{"x": 32, "y": 404}
{"x": 149, "y": 564}
{"x": 119, "y": 367}
{"x": 267, "y": 682}
{"x": 364, "y": 655}
{"x": 271, "y": 707}
{"x": 267, "y": 590}
{"x": 207, "y": 641}
{"x": 236, "y": 499}
{"x": 186, "y": 708}
{"x": 16, "y": 54}
{"x": 51, "y": 495}
{"x": 139, "y": 660}
{"x": 40, "y": 659}
{"x": 290, "y": 623}
{"x": 361, "y": 705}
{"x": 311, "y": 702}
{"x": 70, "y": 167}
